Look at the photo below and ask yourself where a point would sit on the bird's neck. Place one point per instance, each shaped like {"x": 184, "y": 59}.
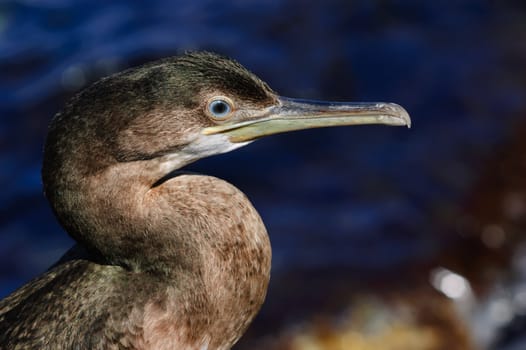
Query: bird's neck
{"x": 199, "y": 234}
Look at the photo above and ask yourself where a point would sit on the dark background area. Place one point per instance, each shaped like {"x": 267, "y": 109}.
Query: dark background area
{"x": 350, "y": 211}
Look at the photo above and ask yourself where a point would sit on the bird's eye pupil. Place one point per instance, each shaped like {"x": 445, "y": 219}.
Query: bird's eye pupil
{"x": 219, "y": 108}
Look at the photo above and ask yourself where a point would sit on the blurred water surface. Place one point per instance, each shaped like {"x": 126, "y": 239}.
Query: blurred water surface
{"x": 367, "y": 201}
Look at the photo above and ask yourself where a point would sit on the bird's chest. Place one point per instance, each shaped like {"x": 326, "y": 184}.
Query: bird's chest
{"x": 186, "y": 321}
{"x": 175, "y": 324}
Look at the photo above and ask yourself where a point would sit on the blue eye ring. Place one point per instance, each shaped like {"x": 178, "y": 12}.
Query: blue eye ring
{"x": 219, "y": 108}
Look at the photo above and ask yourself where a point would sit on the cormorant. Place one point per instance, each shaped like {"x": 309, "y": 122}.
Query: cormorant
{"x": 163, "y": 260}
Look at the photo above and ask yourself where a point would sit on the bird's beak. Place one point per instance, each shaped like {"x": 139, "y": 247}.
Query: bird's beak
{"x": 293, "y": 114}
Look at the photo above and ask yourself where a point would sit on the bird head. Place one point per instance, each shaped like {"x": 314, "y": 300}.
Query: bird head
{"x": 177, "y": 110}
{"x": 202, "y": 104}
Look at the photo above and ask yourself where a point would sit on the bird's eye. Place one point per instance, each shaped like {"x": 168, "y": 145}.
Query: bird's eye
{"x": 220, "y": 108}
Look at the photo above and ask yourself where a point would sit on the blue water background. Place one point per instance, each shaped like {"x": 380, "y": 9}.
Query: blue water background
{"x": 361, "y": 198}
